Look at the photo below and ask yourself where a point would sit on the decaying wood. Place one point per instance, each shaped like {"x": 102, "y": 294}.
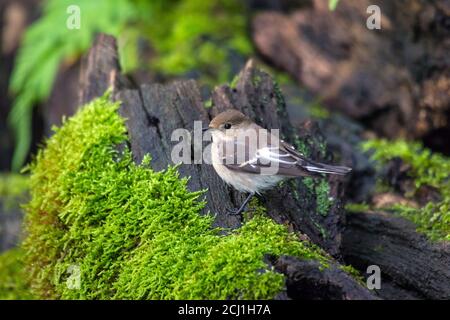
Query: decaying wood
{"x": 154, "y": 111}
{"x": 395, "y": 79}
{"x": 308, "y": 280}
{"x": 100, "y": 69}
{"x": 411, "y": 266}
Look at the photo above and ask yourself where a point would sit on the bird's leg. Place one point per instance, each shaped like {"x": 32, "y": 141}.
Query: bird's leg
{"x": 242, "y": 207}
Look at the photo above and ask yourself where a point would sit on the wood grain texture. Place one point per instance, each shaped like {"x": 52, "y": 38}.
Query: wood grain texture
{"x": 411, "y": 266}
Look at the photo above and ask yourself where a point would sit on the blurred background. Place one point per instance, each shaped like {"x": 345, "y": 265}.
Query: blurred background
{"x": 357, "y": 82}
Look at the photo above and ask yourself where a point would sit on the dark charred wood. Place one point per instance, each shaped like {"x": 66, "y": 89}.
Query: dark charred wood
{"x": 411, "y": 266}
{"x": 396, "y": 80}
{"x": 100, "y": 69}
{"x": 155, "y": 111}
{"x": 308, "y": 280}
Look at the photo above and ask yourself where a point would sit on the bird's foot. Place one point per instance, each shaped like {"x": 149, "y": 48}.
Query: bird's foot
{"x": 234, "y": 211}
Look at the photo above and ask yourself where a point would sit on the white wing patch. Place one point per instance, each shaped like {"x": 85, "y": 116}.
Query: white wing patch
{"x": 318, "y": 170}
{"x": 267, "y": 154}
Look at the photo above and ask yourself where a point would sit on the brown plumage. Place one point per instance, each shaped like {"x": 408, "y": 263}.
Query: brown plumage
{"x": 252, "y": 159}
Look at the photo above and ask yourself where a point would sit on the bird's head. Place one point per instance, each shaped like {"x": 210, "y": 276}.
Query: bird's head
{"x": 226, "y": 124}
{"x": 229, "y": 119}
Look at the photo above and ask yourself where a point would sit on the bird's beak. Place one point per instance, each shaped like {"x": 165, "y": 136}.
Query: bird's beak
{"x": 205, "y": 129}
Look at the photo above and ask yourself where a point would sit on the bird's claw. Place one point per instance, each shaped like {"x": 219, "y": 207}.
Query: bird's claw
{"x": 234, "y": 211}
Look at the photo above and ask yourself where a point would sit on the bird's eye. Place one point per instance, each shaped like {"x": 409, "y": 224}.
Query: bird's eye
{"x": 227, "y": 125}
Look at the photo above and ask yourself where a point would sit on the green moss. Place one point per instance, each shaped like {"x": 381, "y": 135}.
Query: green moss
{"x": 227, "y": 267}
{"x": 13, "y": 285}
{"x": 321, "y": 189}
{"x": 208, "y": 103}
{"x": 323, "y": 200}
{"x": 322, "y": 146}
{"x": 318, "y": 111}
{"x": 301, "y": 146}
{"x": 254, "y": 208}
{"x": 322, "y": 230}
{"x": 309, "y": 183}
{"x": 234, "y": 82}
{"x": 294, "y": 183}
{"x": 357, "y": 207}
{"x": 281, "y": 103}
{"x": 134, "y": 233}
{"x": 256, "y": 80}
{"x": 433, "y": 219}
{"x": 427, "y": 168}
{"x": 353, "y": 272}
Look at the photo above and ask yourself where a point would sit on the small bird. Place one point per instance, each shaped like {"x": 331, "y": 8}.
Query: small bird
{"x": 250, "y": 159}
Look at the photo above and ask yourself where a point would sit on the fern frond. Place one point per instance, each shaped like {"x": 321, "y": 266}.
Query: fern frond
{"x": 46, "y": 44}
{"x": 186, "y": 35}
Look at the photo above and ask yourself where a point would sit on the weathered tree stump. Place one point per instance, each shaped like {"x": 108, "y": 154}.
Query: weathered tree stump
{"x": 153, "y": 111}
{"x": 100, "y": 70}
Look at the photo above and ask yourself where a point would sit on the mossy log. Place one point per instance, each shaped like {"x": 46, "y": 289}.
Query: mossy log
{"x": 153, "y": 111}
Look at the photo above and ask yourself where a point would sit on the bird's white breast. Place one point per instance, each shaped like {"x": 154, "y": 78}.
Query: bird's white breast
{"x": 241, "y": 181}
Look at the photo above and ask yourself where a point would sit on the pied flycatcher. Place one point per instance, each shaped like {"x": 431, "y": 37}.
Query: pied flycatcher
{"x": 250, "y": 159}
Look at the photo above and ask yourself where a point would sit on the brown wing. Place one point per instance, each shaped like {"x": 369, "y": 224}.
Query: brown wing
{"x": 268, "y": 158}
{"x": 272, "y": 158}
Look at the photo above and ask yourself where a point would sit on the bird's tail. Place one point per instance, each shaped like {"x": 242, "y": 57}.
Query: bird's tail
{"x": 317, "y": 167}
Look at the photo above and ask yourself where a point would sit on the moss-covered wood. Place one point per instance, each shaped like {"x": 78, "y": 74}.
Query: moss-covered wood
{"x": 134, "y": 233}
{"x": 414, "y": 257}
{"x": 105, "y": 221}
